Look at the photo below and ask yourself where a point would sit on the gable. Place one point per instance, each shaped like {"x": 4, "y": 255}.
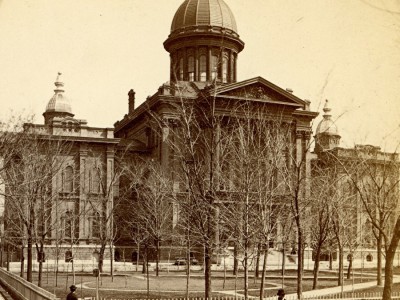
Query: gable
{"x": 258, "y": 89}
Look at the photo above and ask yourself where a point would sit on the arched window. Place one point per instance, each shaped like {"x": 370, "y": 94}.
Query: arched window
{"x": 68, "y": 224}
{"x": 214, "y": 67}
{"x": 191, "y": 68}
{"x": 95, "y": 180}
{"x": 203, "y": 68}
{"x": 181, "y": 68}
{"x": 370, "y": 257}
{"x": 96, "y": 223}
{"x": 225, "y": 69}
{"x": 69, "y": 179}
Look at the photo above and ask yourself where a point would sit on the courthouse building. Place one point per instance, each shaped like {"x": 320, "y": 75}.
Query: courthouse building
{"x": 204, "y": 47}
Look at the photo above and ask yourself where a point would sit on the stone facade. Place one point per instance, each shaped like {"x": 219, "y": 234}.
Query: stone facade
{"x": 82, "y": 190}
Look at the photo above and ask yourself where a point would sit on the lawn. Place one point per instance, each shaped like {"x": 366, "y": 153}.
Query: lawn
{"x": 173, "y": 284}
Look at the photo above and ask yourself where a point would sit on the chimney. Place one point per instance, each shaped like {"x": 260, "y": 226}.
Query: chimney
{"x": 307, "y": 105}
{"x": 131, "y": 101}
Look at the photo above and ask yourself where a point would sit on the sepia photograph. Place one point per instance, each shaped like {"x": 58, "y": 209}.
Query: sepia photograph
{"x": 199, "y": 149}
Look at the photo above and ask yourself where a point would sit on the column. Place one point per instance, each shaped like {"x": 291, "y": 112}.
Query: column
{"x": 209, "y": 61}
{"x": 83, "y": 185}
{"x": 164, "y": 146}
{"x": 299, "y": 147}
{"x": 110, "y": 184}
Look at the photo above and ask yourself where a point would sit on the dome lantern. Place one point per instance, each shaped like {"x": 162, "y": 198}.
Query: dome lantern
{"x": 203, "y": 43}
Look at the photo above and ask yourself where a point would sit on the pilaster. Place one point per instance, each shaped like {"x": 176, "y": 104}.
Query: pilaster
{"x": 83, "y": 185}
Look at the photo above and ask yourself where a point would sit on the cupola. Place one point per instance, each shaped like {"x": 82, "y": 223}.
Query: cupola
{"x": 203, "y": 43}
{"x": 58, "y": 105}
{"x": 327, "y": 135}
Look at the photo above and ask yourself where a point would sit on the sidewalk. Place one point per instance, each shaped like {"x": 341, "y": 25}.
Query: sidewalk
{"x": 338, "y": 289}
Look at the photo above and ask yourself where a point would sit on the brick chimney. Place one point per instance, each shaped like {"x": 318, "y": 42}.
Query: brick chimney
{"x": 131, "y": 100}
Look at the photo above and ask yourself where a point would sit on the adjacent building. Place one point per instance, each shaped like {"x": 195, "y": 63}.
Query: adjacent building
{"x": 363, "y": 188}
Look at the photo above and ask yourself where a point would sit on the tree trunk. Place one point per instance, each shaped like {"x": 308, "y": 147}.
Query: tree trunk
{"x": 144, "y": 267}
{"x": 57, "y": 260}
{"x": 390, "y": 253}
{"x": 101, "y": 257}
{"x": 379, "y": 260}
{"x": 8, "y": 258}
{"x": 207, "y": 272}
{"x": 235, "y": 259}
{"x": 300, "y": 257}
{"x": 39, "y": 253}
{"x": 246, "y": 249}
{"x": 283, "y": 264}
{"x": 29, "y": 264}
{"x": 257, "y": 270}
{"x": 187, "y": 271}
{"x": 316, "y": 267}
{"x": 340, "y": 275}
{"x": 246, "y": 269}
{"x": 147, "y": 272}
{"x": 22, "y": 262}
{"x": 350, "y": 267}
{"x": 158, "y": 255}
{"x": 111, "y": 262}
{"x": 73, "y": 266}
{"x": 137, "y": 257}
{"x": 40, "y": 274}
{"x": 264, "y": 270}
{"x": 1, "y": 253}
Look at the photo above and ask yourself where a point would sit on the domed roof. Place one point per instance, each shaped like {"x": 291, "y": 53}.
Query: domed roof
{"x": 59, "y": 103}
{"x": 203, "y": 13}
{"x": 327, "y": 126}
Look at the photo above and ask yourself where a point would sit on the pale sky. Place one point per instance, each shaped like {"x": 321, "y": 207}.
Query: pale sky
{"x": 347, "y": 51}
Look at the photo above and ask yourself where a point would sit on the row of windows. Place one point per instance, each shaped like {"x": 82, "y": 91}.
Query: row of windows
{"x": 214, "y": 68}
{"x": 70, "y": 225}
{"x": 69, "y": 180}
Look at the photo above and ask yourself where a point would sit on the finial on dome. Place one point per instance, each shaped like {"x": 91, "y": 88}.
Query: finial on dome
{"x": 59, "y": 84}
{"x": 327, "y": 110}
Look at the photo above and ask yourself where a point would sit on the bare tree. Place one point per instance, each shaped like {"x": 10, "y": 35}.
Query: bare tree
{"x": 152, "y": 202}
{"x": 29, "y": 193}
{"x": 252, "y": 153}
{"x": 323, "y": 183}
{"x": 105, "y": 199}
{"x": 375, "y": 179}
{"x": 192, "y": 134}
{"x": 297, "y": 176}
